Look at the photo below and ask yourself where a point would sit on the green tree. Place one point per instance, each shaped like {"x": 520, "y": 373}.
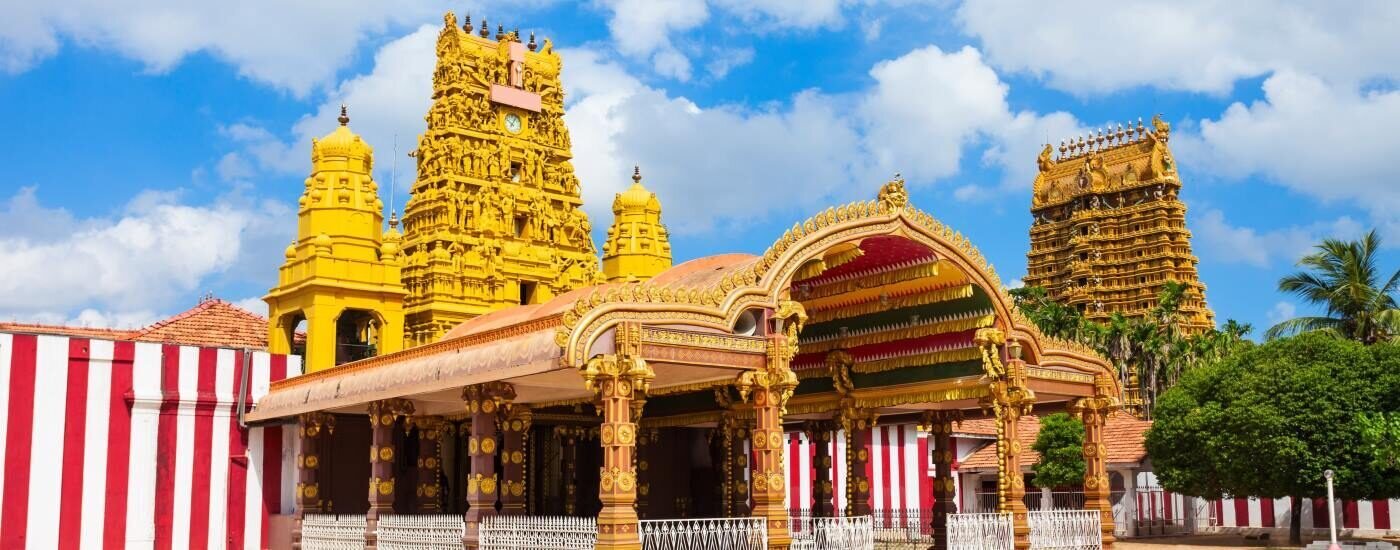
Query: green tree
{"x": 1266, "y": 421}
{"x": 1343, "y": 277}
{"x": 1152, "y": 346}
{"x": 1052, "y": 318}
{"x": 1061, "y": 447}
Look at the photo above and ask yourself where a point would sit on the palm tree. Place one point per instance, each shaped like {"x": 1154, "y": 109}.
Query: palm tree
{"x": 1342, "y": 276}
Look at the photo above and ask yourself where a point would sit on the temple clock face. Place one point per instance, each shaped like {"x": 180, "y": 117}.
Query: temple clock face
{"x": 512, "y": 123}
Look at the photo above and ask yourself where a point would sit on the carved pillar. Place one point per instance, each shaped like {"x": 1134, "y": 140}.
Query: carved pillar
{"x": 618, "y": 380}
{"x": 1007, "y": 400}
{"x": 857, "y": 423}
{"x": 430, "y": 430}
{"x": 383, "y": 417}
{"x": 314, "y": 427}
{"x": 515, "y": 431}
{"x": 734, "y": 431}
{"x": 569, "y": 437}
{"x": 768, "y": 390}
{"x": 1094, "y": 411}
{"x": 647, "y": 441}
{"x": 819, "y": 436}
{"x": 484, "y": 402}
{"x": 940, "y": 429}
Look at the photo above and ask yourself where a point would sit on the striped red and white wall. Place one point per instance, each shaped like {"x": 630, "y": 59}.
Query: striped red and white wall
{"x": 136, "y": 445}
{"x": 900, "y": 472}
{"x": 1377, "y": 515}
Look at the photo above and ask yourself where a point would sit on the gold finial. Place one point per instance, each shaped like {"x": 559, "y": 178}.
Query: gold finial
{"x": 636, "y": 174}
{"x": 467, "y": 25}
{"x": 484, "y": 30}
{"x": 393, "y": 219}
{"x": 500, "y": 32}
{"x": 344, "y": 115}
{"x": 532, "y": 45}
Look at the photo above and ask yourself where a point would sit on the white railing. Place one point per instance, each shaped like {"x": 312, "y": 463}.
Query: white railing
{"x": 843, "y": 533}
{"x": 538, "y": 533}
{"x": 333, "y": 532}
{"x": 421, "y": 532}
{"x": 980, "y": 532}
{"x": 1066, "y": 529}
{"x": 704, "y": 534}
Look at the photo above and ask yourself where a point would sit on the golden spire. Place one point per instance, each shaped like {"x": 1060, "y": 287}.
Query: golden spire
{"x": 341, "y": 266}
{"x": 638, "y": 246}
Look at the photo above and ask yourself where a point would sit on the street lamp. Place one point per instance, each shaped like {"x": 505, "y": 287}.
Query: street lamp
{"x": 1331, "y": 514}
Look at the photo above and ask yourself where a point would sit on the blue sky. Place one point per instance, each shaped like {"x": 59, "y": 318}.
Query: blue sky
{"x": 153, "y": 153}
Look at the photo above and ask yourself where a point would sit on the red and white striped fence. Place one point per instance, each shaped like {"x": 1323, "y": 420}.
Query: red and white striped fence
{"x": 1368, "y": 515}
{"x": 137, "y": 445}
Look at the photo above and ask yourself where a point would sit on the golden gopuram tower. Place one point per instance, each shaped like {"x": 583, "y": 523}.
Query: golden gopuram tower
{"x": 494, "y": 218}
{"x": 1110, "y": 227}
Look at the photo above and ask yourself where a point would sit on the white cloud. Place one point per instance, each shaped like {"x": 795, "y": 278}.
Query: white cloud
{"x": 254, "y": 304}
{"x": 642, "y": 29}
{"x": 930, "y": 97}
{"x": 385, "y": 104}
{"x": 118, "y": 270}
{"x": 1219, "y": 241}
{"x": 1282, "y": 311}
{"x": 799, "y": 14}
{"x": 294, "y": 46}
{"x": 389, "y": 101}
{"x": 739, "y": 164}
{"x": 728, "y": 59}
{"x": 1329, "y": 142}
{"x": 1192, "y": 45}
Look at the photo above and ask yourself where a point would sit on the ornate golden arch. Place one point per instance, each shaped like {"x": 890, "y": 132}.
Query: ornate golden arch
{"x": 763, "y": 280}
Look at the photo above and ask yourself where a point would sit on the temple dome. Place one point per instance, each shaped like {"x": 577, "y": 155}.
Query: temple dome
{"x": 341, "y": 144}
{"x": 636, "y": 197}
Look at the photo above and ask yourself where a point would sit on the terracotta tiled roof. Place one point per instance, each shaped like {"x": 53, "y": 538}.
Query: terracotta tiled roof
{"x": 979, "y": 426}
{"x": 60, "y": 330}
{"x": 213, "y": 323}
{"x": 1122, "y": 435}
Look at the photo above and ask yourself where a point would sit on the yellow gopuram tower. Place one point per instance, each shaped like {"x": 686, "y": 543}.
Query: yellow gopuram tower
{"x": 1109, "y": 226}
{"x": 638, "y": 246}
{"x": 341, "y": 275}
{"x": 494, "y": 219}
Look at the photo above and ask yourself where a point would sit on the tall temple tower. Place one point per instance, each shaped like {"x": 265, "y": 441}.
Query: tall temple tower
{"x": 638, "y": 246}
{"x": 341, "y": 275}
{"x": 1109, "y": 226}
{"x": 494, "y": 219}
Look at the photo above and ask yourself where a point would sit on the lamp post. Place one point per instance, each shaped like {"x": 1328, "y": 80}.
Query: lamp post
{"x": 1331, "y": 514}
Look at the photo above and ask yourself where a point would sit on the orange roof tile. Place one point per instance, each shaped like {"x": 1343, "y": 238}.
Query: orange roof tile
{"x": 1122, "y": 435}
{"x": 60, "y": 330}
{"x": 213, "y": 323}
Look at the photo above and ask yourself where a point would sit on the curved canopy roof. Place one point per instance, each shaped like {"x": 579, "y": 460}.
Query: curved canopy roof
{"x": 920, "y": 269}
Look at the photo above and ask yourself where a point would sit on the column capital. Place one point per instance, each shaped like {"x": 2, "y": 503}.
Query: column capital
{"x": 628, "y": 372}
{"x": 313, "y": 423}
{"x": 495, "y": 393}
{"x": 386, "y": 411}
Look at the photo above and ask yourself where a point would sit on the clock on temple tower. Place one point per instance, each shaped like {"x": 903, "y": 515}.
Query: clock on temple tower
{"x": 494, "y": 218}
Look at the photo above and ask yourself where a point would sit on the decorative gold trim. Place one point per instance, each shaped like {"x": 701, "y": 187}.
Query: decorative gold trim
{"x": 685, "y": 388}
{"x": 873, "y": 279}
{"x": 929, "y": 396}
{"x": 1060, "y": 375}
{"x": 918, "y": 298}
{"x": 703, "y": 340}
{"x": 902, "y": 331}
